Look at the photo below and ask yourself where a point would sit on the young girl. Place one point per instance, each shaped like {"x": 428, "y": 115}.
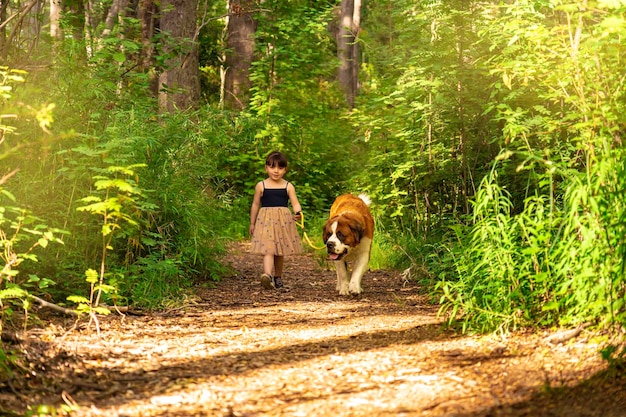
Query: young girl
{"x": 272, "y": 226}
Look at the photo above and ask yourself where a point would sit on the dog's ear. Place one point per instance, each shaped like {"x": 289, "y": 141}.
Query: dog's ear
{"x": 357, "y": 230}
{"x": 326, "y": 231}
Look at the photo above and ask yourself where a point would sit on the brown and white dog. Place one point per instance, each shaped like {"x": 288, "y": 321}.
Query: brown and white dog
{"x": 348, "y": 235}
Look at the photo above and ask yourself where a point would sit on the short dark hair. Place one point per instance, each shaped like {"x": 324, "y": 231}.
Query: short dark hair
{"x": 276, "y": 158}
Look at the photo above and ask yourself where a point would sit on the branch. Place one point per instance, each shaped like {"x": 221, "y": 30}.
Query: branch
{"x": 566, "y": 335}
{"x": 205, "y": 21}
{"x": 6, "y": 177}
{"x": 120, "y": 309}
{"x": 53, "y": 306}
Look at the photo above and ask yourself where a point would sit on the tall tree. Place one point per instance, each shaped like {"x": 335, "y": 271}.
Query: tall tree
{"x": 4, "y": 4}
{"x": 147, "y": 12}
{"x": 348, "y": 48}
{"x": 55, "y": 15}
{"x": 240, "y": 43}
{"x": 116, "y": 9}
{"x": 179, "y": 85}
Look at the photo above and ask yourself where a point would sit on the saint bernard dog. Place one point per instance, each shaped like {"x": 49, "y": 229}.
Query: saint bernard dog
{"x": 348, "y": 235}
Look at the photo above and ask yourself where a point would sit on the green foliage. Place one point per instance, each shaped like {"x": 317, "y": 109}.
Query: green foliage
{"x": 8, "y": 77}
{"x": 421, "y": 114}
{"x": 120, "y": 200}
{"x": 615, "y": 356}
{"x": 210, "y": 45}
{"x": 22, "y": 234}
{"x": 89, "y": 305}
{"x": 295, "y": 106}
{"x": 6, "y": 359}
{"x": 176, "y": 216}
{"x": 538, "y": 238}
{"x": 168, "y": 226}
{"x": 547, "y": 241}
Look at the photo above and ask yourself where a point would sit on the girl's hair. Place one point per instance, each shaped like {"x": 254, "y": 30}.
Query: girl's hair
{"x": 276, "y": 158}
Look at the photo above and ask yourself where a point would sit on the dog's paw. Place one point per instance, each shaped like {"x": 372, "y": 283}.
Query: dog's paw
{"x": 355, "y": 288}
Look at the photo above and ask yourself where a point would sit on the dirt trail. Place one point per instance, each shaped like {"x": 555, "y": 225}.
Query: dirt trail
{"x": 238, "y": 350}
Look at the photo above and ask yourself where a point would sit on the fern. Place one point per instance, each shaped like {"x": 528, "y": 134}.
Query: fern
{"x": 12, "y": 292}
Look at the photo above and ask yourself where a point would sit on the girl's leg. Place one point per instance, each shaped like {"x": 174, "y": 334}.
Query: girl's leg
{"x": 278, "y": 269}
{"x": 267, "y": 281}
{"x": 278, "y": 265}
{"x": 268, "y": 264}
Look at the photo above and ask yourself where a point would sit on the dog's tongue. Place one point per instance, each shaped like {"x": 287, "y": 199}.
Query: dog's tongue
{"x": 333, "y": 256}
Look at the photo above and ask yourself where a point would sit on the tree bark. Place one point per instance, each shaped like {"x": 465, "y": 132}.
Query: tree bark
{"x": 115, "y": 10}
{"x": 4, "y": 4}
{"x": 179, "y": 84}
{"x": 348, "y": 48}
{"x": 240, "y": 52}
{"x": 148, "y": 11}
{"x": 55, "y": 15}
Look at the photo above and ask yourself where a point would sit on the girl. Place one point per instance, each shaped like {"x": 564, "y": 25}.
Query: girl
{"x": 272, "y": 227}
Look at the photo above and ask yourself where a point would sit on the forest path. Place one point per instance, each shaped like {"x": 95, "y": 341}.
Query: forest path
{"x": 239, "y": 350}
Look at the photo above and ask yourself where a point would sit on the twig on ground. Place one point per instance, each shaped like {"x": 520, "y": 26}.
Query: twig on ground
{"x": 53, "y": 306}
{"x": 566, "y": 335}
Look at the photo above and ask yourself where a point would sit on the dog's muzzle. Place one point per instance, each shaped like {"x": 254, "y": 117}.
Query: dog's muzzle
{"x": 330, "y": 248}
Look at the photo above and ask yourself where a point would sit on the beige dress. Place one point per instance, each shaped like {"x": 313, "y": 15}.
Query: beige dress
{"x": 275, "y": 231}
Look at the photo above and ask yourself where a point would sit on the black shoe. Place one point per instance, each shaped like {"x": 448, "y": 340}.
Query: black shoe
{"x": 278, "y": 282}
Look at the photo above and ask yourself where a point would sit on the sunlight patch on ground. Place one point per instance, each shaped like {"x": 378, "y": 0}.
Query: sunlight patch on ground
{"x": 425, "y": 375}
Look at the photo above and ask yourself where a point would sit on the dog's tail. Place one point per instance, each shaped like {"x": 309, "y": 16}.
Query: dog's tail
{"x": 366, "y": 199}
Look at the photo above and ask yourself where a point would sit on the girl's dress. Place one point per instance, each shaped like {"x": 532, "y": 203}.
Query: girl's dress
{"x": 275, "y": 230}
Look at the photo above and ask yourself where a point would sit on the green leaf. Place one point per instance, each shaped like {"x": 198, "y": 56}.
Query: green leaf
{"x": 612, "y": 24}
{"x": 105, "y": 288}
{"x": 102, "y": 310}
{"x": 13, "y": 292}
{"x": 106, "y": 229}
{"x": 94, "y": 208}
{"x": 119, "y": 57}
{"x": 611, "y": 4}
{"x": 91, "y": 276}
{"x": 7, "y": 194}
{"x": 550, "y": 306}
{"x": 78, "y": 299}
{"x": 90, "y": 199}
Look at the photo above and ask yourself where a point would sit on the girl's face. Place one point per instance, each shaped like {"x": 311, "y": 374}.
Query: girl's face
{"x": 275, "y": 172}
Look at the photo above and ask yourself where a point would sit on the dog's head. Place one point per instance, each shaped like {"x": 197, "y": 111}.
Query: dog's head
{"x": 341, "y": 234}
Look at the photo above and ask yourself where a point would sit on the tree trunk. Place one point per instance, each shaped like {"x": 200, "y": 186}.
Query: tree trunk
{"x": 240, "y": 46}
{"x": 148, "y": 11}
{"x": 3, "y": 30}
{"x": 179, "y": 84}
{"x": 348, "y": 49}
{"x": 116, "y": 9}
{"x": 55, "y": 15}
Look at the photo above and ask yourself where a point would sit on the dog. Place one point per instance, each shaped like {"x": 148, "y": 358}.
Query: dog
{"x": 348, "y": 235}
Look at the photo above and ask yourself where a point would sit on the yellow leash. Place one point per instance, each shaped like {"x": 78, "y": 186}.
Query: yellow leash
{"x": 305, "y": 236}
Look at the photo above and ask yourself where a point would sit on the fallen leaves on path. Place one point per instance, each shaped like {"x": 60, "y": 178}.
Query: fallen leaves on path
{"x": 239, "y": 350}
